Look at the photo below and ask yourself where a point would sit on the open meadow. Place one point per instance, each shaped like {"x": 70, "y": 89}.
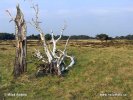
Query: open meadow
{"x": 103, "y": 71}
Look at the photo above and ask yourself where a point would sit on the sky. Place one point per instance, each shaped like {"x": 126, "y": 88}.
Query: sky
{"x": 83, "y": 17}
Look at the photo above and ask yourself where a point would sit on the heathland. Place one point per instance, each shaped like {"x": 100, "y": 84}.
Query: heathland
{"x": 103, "y": 71}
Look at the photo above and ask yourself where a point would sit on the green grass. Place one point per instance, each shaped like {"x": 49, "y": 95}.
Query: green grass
{"x": 97, "y": 70}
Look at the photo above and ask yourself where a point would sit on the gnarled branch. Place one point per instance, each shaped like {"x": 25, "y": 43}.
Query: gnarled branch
{"x": 56, "y": 57}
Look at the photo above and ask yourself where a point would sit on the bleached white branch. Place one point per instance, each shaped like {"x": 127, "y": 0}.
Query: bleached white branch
{"x": 12, "y": 18}
{"x": 39, "y": 56}
{"x": 72, "y": 61}
{"x": 54, "y": 43}
{"x": 64, "y": 53}
{"x": 36, "y": 24}
{"x": 66, "y": 43}
{"x": 62, "y": 30}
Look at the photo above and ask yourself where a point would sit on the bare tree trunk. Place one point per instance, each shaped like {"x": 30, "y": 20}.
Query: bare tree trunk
{"x": 20, "y": 34}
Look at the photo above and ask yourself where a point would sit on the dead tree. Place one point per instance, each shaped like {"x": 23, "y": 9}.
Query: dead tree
{"x": 54, "y": 62}
{"x": 20, "y": 65}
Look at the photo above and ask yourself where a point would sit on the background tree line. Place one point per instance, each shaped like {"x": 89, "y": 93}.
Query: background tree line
{"x": 11, "y": 36}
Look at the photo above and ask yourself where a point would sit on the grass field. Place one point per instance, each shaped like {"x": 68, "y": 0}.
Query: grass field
{"x": 101, "y": 71}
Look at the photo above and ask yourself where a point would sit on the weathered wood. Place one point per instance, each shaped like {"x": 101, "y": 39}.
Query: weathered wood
{"x": 20, "y": 34}
{"x": 55, "y": 58}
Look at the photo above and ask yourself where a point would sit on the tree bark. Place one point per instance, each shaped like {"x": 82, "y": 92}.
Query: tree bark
{"x": 20, "y": 65}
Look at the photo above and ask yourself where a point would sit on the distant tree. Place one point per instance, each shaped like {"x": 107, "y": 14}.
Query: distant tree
{"x": 102, "y": 37}
{"x": 122, "y": 37}
{"x": 110, "y": 38}
{"x": 48, "y": 37}
{"x": 37, "y": 37}
{"x": 33, "y": 37}
{"x": 129, "y": 37}
{"x": 81, "y": 37}
{"x": 117, "y": 37}
{"x": 7, "y": 36}
{"x": 64, "y": 37}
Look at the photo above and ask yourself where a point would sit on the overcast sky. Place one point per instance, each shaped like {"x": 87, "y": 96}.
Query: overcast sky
{"x": 83, "y": 17}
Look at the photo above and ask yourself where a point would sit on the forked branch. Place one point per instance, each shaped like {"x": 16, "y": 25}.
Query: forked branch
{"x": 56, "y": 57}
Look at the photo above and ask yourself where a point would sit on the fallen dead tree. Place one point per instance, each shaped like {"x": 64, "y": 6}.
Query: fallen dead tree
{"x": 54, "y": 60}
